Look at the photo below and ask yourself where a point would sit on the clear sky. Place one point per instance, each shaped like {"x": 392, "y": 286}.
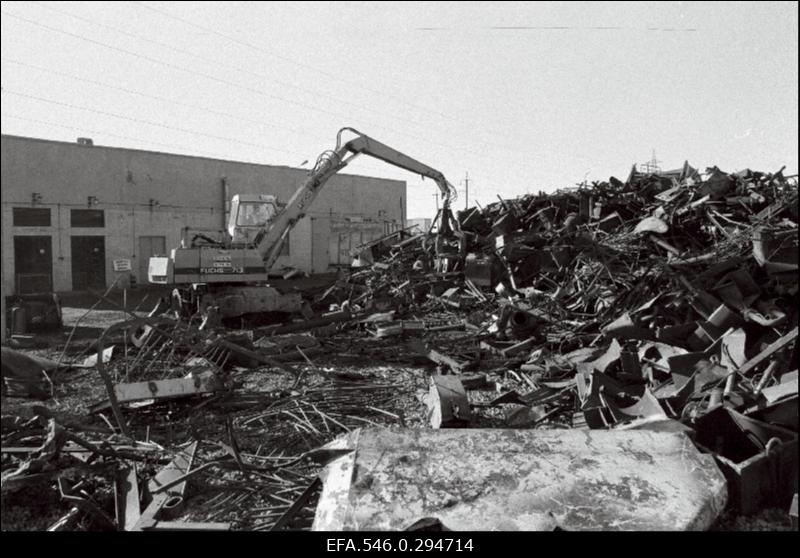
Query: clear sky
{"x": 523, "y": 96}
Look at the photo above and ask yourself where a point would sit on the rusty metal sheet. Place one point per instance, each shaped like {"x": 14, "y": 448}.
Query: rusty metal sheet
{"x": 479, "y": 270}
{"x": 166, "y": 504}
{"x": 204, "y": 382}
{"x": 127, "y": 497}
{"x": 186, "y": 526}
{"x": 779, "y": 392}
{"x": 448, "y": 361}
{"x": 91, "y": 361}
{"x": 447, "y": 402}
{"x": 529, "y": 480}
{"x": 758, "y": 459}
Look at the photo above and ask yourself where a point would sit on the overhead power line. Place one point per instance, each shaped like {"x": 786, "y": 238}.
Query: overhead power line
{"x": 491, "y": 144}
{"x": 286, "y": 58}
{"x": 174, "y": 66}
{"x": 189, "y": 105}
{"x": 144, "y": 121}
{"x": 232, "y": 84}
{"x": 165, "y": 99}
{"x": 449, "y": 147}
{"x": 225, "y": 64}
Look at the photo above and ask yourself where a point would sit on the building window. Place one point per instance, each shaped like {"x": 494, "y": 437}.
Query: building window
{"x": 31, "y": 216}
{"x": 87, "y": 218}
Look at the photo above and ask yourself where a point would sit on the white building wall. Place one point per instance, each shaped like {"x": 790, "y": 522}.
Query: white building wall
{"x": 185, "y": 191}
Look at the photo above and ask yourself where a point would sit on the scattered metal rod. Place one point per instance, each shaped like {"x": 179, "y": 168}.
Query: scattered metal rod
{"x": 87, "y": 506}
{"x": 298, "y": 504}
{"x": 186, "y": 476}
{"x": 66, "y": 522}
{"x": 766, "y": 377}
{"x": 78, "y": 321}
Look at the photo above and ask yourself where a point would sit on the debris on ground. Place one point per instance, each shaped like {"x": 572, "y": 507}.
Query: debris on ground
{"x": 653, "y": 315}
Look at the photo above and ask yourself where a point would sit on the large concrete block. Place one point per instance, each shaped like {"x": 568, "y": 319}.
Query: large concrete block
{"x": 527, "y": 480}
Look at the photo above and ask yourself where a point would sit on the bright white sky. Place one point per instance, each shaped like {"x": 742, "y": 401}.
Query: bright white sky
{"x": 523, "y": 96}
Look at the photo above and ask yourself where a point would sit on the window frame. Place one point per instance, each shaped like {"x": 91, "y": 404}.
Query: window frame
{"x": 18, "y": 215}
{"x": 90, "y": 214}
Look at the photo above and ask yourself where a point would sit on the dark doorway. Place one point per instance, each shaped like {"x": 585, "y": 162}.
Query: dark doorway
{"x": 33, "y": 264}
{"x": 88, "y": 262}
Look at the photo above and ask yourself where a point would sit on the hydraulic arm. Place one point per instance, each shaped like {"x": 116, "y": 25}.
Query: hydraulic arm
{"x": 270, "y": 242}
{"x": 228, "y": 276}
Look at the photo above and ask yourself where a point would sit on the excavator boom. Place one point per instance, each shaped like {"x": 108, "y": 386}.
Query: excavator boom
{"x": 373, "y": 148}
{"x": 227, "y": 277}
{"x": 269, "y": 244}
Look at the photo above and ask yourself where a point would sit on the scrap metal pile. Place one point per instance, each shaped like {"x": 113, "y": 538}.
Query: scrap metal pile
{"x": 665, "y": 303}
{"x": 181, "y": 426}
{"x": 665, "y": 285}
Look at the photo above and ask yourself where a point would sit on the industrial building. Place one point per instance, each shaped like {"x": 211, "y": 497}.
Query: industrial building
{"x": 79, "y": 216}
{"x": 421, "y": 224}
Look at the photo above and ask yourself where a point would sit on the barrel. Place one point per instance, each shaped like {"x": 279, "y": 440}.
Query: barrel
{"x": 19, "y": 320}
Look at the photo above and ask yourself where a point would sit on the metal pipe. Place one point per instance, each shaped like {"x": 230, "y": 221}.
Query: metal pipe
{"x": 766, "y": 377}
{"x": 730, "y": 381}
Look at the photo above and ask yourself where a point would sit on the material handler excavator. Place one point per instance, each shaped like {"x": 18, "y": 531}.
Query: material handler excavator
{"x": 227, "y": 277}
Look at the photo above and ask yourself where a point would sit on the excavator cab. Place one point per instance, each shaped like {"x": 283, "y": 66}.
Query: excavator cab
{"x": 249, "y": 215}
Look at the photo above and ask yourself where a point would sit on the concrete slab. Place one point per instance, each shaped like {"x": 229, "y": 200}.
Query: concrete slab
{"x": 527, "y": 480}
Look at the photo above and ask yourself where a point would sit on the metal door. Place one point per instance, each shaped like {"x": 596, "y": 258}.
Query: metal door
{"x": 88, "y": 262}
{"x": 33, "y": 264}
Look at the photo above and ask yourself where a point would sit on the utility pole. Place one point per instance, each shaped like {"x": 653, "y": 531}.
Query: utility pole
{"x": 651, "y": 166}
{"x": 466, "y": 190}
{"x": 436, "y": 195}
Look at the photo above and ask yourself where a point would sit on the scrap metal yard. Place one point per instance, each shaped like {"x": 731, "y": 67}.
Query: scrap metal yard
{"x": 642, "y": 314}
{"x": 399, "y": 276}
